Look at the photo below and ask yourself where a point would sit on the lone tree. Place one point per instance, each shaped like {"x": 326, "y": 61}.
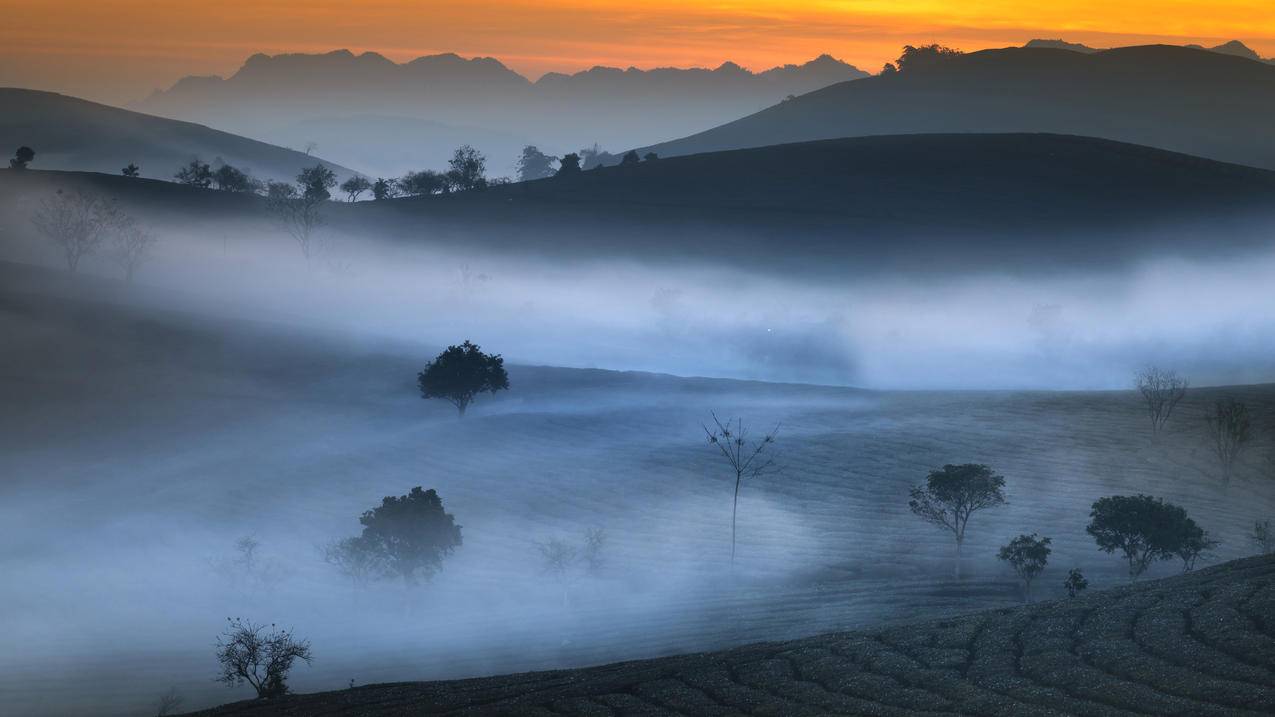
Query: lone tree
{"x": 354, "y": 186}
{"x": 260, "y": 655}
{"x": 1146, "y": 529}
{"x": 1230, "y": 430}
{"x": 569, "y": 164}
{"x": 746, "y": 458}
{"x": 229, "y": 178}
{"x": 195, "y": 174}
{"x": 1162, "y": 391}
{"x": 534, "y": 164}
{"x": 1075, "y": 582}
{"x": 22, "y": 157}
{"x": 1027, "y": 555}
{"x": 953, "y": 494}
{"x": 384, "y": 188}
{"x": 132, "y": 170}
{"x": 1263, "y": 537}
{"x": 300, "y": 214}
{"x": 315, "y": 183}
{"x": 77, "y": 223}
{"x": 130, "y": 247}
{"x": 408, "y": 536}
{"x": 467, "y": 169}
{"x": 460, "y": 373}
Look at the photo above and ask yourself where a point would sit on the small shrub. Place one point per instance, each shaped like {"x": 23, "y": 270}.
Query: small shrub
{"x": 1075, "y": 582}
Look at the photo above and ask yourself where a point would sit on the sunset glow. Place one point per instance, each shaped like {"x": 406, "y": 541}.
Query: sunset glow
{"x": 120, "y": 49}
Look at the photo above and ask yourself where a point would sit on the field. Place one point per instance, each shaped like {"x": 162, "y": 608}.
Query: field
{"x": 1200, "y": 644}
{"x": 139, "y": 444}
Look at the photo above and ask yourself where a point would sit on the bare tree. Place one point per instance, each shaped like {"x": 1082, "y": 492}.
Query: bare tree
{"x": 745, "y": 457}
{"x": 300, "y": 214}
{"x": 76, "y": 223}
{"x": 1230, "y": 430}
{"x": 1263, "y": 537}
{"x": 953, "y": 494}
{"x": 168, "y": 703}
{"x": 1162, "y": 391}
{"x": 595, "y": 541}
{"x": 259, "y": 655}
{"x": 130, "y": 246}
{"x": 559, "y": 558}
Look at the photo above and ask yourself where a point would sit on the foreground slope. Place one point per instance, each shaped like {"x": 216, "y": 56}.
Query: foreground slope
{"x": 1200, "y": 644}
{"x": 1187, "y": 100}
{"x": 73, "y": 134}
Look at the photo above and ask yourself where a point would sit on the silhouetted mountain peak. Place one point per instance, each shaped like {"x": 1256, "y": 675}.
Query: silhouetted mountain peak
{"x": 1234, "y": 47}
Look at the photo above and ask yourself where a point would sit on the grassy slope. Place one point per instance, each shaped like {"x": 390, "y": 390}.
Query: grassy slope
{"x": 1200, "y": 644}
{"x": 226, "y": 429}
{"x": 73, "y": 134}
{"x": 1186, "y": 100}
{"x": 910, "y": 202}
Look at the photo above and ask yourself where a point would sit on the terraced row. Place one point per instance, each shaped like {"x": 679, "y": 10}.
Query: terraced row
{"x": 1200, "y": 644}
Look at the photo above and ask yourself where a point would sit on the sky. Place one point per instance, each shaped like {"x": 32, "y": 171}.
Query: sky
{"x": 120, "y": 50}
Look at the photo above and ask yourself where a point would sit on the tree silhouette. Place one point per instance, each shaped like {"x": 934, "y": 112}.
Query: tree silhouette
{"x": 1075, "y": 582}
{"x": 1161, "y": 391}
{"x": 259, "y": 655}
{"x": 384, "y": 189}
{"x": 569, "y": 164}
{"x": 954, "y": 493}
{"x": 195, "y": 174}
{"x": 1146, "y": 530}
{"x": 229, "y": 178}
{"x": 132, "y": 170}
{"x": 1027, "y": 555}
{"x": 300, "y": 214}
{"x": 467, "y": 169}
{"x": 460, "y": 373}
{"x": 77, "y": 223}
{"x": 746, "y": 458}
{"x": 925, "y": 56}
{"x": 630, "y": 157}
{"x": 1230, "y": 429}
{"x": 410, "y": 535}
{"x": 22, "y": 157}
{"x": 422, "y": 183}
{"x": 354, "y": 186}
{"x": 534, "y": 164}
{"x": 650, "y": 156}
{"x": 316, "y": 182}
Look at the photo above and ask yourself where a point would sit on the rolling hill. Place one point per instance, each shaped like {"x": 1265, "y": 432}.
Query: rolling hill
{"x": 1187, "y": 100}
{"x": 916, "y": 203}
{"x": 72, "y": 134}
{"x": 1200, "y": 644}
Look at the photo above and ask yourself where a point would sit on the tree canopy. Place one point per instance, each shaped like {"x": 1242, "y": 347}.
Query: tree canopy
{"x": 1146, "y": 530}
{"x": 460, "y": 373}
{"x": 22, "y": 157}
{"x": 952, "y": 494}
{"x": 410, "y": 535}
{"x": 534, "y": 164}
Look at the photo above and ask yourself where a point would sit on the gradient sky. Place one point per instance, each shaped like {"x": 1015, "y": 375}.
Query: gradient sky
{"x": 118, "y": 50}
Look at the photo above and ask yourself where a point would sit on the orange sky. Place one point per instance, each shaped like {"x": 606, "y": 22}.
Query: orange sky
{"x": 115, "y": 50}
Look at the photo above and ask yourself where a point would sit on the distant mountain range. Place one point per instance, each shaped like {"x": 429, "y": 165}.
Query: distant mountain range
{"x": 285, "y": 99}
{"x": 1203, "y": 102}
{"x": 73, "y": 134}
{"x": 1234, "y": 47}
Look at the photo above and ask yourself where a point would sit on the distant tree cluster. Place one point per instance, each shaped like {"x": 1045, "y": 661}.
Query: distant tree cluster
{"x": 923, "y": 57}
{"x": 1146, "y": 530}
{"x": 22, "y": 157}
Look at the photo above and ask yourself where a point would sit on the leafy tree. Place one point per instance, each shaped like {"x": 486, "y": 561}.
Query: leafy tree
{"x": 650, "y": 156}
{"x": 534, "y": 164}
{"x": 569, "y": 164}
{"x": 1161, "y": 391}
{"x": 630, "y": 157}
{"x": 422, "y": 183}
{"x": 384, "y": 189}
{"x": 315, "y": 183}
{"x": 746, "y": 458}
{"x": 1075, "y": 582}
{"x": 1263, "y": 537}
{"x": 953, "y": 494}
{"x": 407, "y": 536}
{"x": 467, "y": 169}
{"x": 460, "y": 373}
{"x": 1193, "y": 543}
{"x": 1230, "y": 430}
{"x": 195, "y": 174}
{"x": 229, "y": 178}
{"x": 132, "y": 170}
{"x": 259, "y": 655}
{"x": 355, "y": 559}
{"x": 77, "y": 223}
{"x": 22, "y": 157}
{"x": 1145, "y": 529}
{"x": 354, "y": 186}
{"x": 1027, "y": 555}
{"x": 925, "y": 56}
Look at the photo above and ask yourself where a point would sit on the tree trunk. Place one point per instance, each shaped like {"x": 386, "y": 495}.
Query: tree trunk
{"x": 734, "y": 511}
{"x": 957, "y": 567}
